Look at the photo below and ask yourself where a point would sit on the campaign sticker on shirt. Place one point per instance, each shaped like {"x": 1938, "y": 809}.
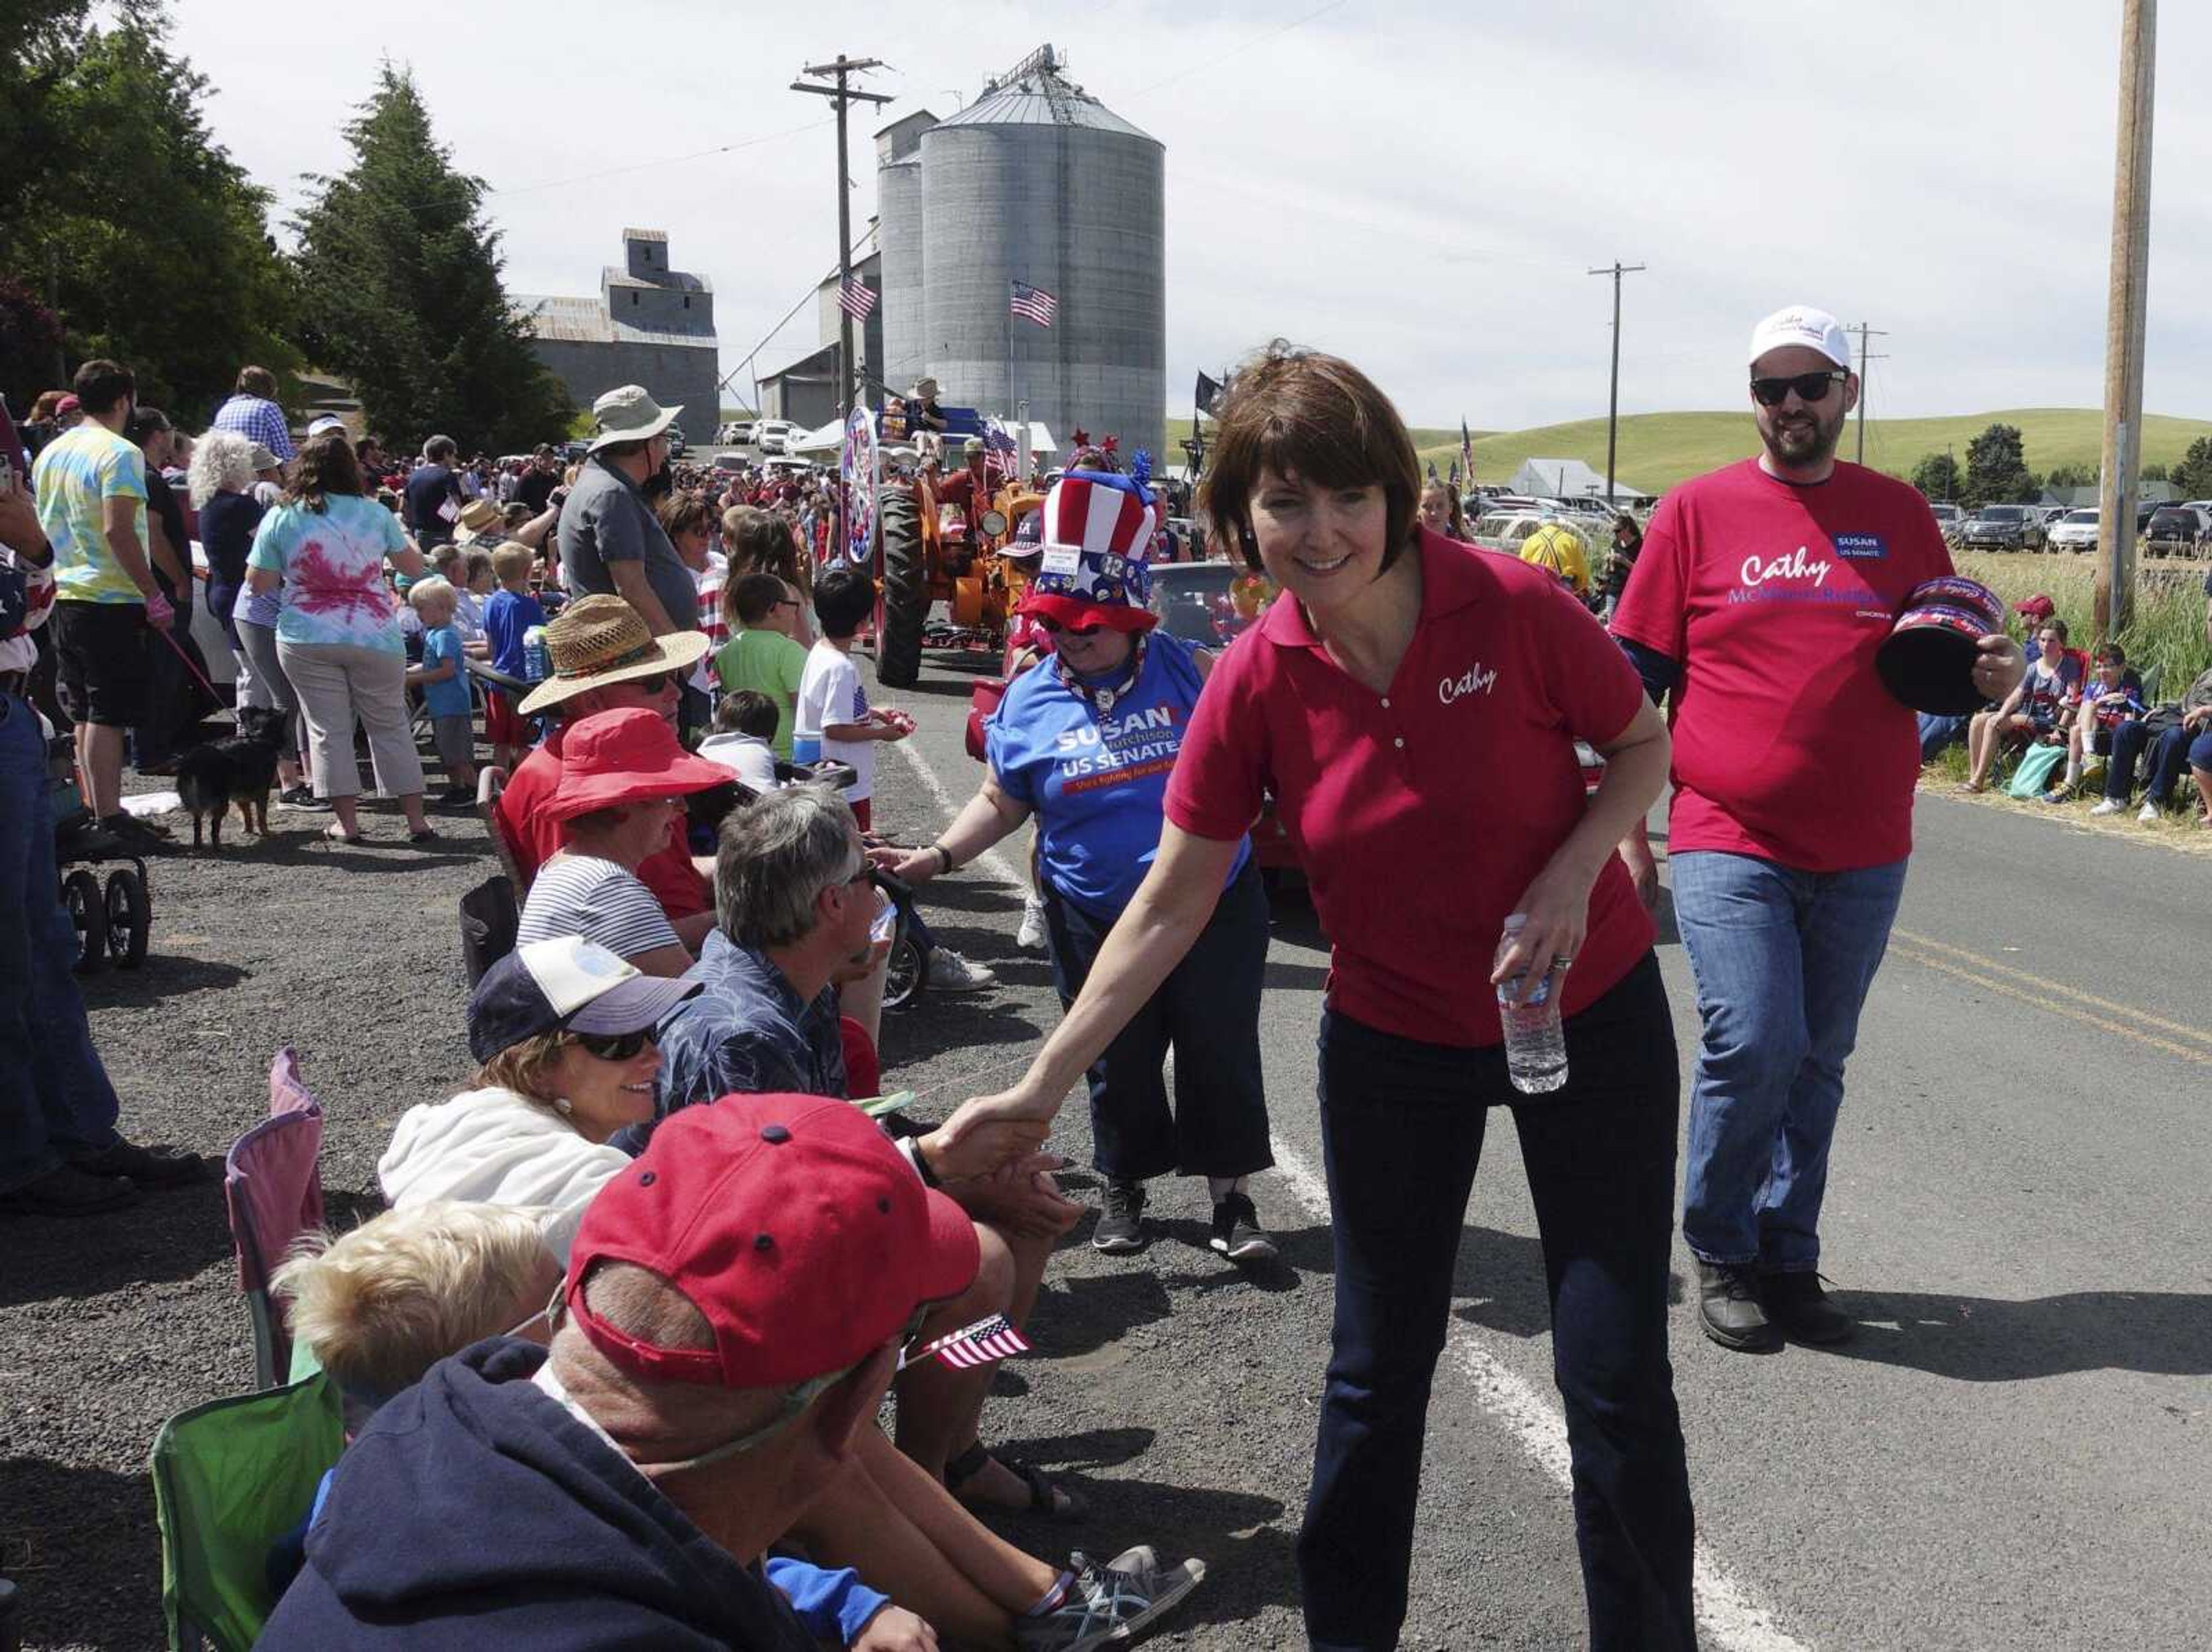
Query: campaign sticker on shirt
{"x": 1065, "y": 561}
{"x": 448, "y": 511}
{"x": 1861, "y": 547}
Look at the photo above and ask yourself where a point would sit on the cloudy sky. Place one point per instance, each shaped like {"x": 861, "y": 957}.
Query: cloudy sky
{"x": 1419, "y": 186}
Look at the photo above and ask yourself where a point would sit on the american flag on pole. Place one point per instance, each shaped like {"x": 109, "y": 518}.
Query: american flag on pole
{"x": 1035, "y": 304}
{"x": 1466, "y": 451}
{"x": 857, "y": 299}
{"x": 979, "y": 1344}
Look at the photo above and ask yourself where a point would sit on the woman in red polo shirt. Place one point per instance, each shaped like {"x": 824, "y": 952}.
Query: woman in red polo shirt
{"x": 1412, "y": 705}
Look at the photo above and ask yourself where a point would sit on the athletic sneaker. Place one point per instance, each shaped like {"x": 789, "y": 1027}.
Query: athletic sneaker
{"x": 1236, "y": 1231}
{"x": 2149, "y": 813}
{"x": 1109, "y": 1603}
{"x": 1121, "y": 1225}
{"x": 950, "y": 973}
{"x": 1030, "y": 937}
{"x": 302, "y": 797}
{"x": 2108, "y": 807}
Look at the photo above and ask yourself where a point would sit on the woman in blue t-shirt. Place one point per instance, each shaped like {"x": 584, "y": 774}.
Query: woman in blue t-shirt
{"x": 1085, "y": 742}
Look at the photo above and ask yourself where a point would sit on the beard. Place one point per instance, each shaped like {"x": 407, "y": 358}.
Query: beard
{"x": 1800, "y": 439}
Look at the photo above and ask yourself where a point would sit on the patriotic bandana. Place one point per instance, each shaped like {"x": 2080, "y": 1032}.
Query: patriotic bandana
{"x": 1097, "y": 528}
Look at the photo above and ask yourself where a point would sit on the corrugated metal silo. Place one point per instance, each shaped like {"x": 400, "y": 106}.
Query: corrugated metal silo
{"x": 899, "y": 231}
{"x": 1039, "y": 182}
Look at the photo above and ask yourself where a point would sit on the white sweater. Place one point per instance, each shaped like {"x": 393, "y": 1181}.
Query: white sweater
{"x": 498, "y": 1147}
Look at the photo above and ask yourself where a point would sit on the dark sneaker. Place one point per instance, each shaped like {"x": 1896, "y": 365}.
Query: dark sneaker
{"x": 135, "y": 834}
{"x": 1122, "y": 1227}
{"x": 67, "y": 1191}
{"x": 1802, "y": 1310}
{"x": 148, "y": 1167}
{"x": 302, "y": 796}
{"x": 1108, "y": 1605}
{"x": 1728, "y": 1307}
{"x": 1236, "y": 1231}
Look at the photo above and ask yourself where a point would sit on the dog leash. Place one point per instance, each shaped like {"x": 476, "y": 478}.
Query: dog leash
{"x": 177, "y": 648}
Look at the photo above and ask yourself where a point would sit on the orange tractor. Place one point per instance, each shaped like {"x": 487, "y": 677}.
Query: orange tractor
{"x": 923, "y": 559}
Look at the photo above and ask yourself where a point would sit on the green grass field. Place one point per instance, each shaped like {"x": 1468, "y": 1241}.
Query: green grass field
{"x": 1657, "y": 450}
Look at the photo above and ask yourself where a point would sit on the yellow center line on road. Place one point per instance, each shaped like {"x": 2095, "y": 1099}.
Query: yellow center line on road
{"x": 2179, "y": 1029}
{"x": 2056, "y": 1006}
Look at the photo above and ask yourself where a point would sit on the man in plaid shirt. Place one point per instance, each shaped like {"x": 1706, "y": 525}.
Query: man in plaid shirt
{"x": 253, "y": 414}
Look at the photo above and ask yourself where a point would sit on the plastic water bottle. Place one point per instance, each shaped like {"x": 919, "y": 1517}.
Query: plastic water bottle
{"x": 1535, "y": 1044}
{"x": 537, "y": 663}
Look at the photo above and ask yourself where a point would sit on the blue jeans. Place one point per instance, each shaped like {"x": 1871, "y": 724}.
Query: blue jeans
{"x": 1403, "y": 1125}
{"x": 2171, "y": 750}
{"x": 1783, "y": 960}
{"x": 1208, "y": 1010}
{"x": 1937, "y": 732}
{"x": 54, "y": 1094}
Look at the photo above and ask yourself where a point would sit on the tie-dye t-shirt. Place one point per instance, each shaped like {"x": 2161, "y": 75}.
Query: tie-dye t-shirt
{"x": 76, "y": 475}
{"x": 332, "y": 561}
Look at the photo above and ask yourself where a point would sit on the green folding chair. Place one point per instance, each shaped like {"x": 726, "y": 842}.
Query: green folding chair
{"x": 230, "y": 1479}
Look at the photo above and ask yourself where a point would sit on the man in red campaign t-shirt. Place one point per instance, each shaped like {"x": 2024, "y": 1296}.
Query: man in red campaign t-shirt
{"x": 1762, "y": 592}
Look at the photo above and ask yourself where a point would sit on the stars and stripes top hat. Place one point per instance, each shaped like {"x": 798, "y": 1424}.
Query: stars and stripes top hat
{"x": 1097, "y": 527}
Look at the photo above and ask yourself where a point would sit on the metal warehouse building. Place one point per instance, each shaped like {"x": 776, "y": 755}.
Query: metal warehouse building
{"x": 650, "y": 325}
{"x": 1036, "y": 182}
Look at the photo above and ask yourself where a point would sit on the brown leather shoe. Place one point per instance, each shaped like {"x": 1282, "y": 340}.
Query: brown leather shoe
{"x": 66, "y": 1190}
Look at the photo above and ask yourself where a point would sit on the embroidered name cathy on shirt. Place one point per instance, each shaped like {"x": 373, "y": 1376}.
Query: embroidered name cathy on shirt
{"x": 1476, "y": 679}
{"x": 1795, "y": 576}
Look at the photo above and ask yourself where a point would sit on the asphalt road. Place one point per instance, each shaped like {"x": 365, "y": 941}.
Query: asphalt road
{"x": 2013, "y": 1453}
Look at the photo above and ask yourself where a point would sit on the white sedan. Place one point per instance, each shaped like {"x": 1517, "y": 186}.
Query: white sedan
{"x": 2076, "y": 531}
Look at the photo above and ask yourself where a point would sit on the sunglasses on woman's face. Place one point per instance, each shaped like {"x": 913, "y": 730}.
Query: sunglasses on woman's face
{"x": 618, "y": 1046}
{"x": 657, "y": 684}
{"x": 1810, "y": 387}
{"x": 1052, "y": 627}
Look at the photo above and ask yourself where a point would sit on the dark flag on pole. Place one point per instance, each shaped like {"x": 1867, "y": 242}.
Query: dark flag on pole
{"x": 1432, "y": 469}
{"x": 1466, "y": 451}
{"x": 1206, "y": 394}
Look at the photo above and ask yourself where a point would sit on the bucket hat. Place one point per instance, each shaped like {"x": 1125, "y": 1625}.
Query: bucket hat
{"x": 630, "y": 414}
{"x": 614, "y": 757}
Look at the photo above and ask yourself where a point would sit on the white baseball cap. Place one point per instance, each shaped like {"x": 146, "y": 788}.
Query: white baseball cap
{"x": 1801, "y": 324}
{"x": 324, "y": 425}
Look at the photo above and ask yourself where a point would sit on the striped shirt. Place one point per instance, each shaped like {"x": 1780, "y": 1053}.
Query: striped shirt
{"x": 257, "y": 420}
{"x": 77, "y": 473}
{"x": 583, "y": 895}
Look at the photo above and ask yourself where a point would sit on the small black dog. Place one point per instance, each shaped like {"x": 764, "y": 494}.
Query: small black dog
{"x": 240, "y": 769}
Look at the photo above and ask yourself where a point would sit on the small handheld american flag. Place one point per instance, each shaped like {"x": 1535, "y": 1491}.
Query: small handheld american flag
{"x": 1034, "y": 304}
{"x": 857, "y": 299}
{"x": 979, "y": 1344}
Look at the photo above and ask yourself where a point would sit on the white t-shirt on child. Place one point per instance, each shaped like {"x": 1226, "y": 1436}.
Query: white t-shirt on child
{"x": 829, "y": 692}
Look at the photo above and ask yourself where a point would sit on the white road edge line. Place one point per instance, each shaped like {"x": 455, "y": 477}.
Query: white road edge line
{"x": 1730, "y": 1611}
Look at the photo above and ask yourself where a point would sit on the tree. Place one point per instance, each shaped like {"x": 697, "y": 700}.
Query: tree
{"x": 1936, "y": 475}
{"x": 2152, "y": 473}
{"x": 2193, "y": 476}
{"x": 2071, "y": 476}
{"x": 399, "y": 278}
{"x": 1996, "y": 468}
{"x": 30, "y": 338}
{"x": 159, "y": 239}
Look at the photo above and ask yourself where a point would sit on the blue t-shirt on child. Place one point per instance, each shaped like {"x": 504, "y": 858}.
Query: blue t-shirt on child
{"x": 1097, "y": 785}
{"x": 448, "y": 698}
{"x": 506, "y": 616}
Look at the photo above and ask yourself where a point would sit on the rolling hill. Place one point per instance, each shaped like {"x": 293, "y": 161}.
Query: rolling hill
{"x": 1659, "y": 449}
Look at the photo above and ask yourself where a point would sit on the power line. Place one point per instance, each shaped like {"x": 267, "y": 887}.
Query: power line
{"x": 1613, "y": 406}
{"x": 665, "y": 160}
{"x": 1864, "y": 331}
{"x": 1238, "y": 49}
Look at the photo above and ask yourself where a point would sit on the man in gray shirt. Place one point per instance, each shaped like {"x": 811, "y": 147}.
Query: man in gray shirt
{"x": 611, "y": 543}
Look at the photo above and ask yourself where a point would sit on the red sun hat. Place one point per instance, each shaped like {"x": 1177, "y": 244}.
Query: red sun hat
{"x": 614, "y": 757}
{"x": 790, "y": 1223}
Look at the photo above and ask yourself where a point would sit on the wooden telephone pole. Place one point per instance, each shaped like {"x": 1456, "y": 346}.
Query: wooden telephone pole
{"x": 2126, "y": 305}
{"x": 842, "y": 94}
{"x": 1616, "y": 269}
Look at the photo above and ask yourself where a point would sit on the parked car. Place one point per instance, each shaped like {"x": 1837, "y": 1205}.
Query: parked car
{"x": 2178, "y": 527}
{"x": 729, "y": 462}
{"x": 769, "y": 435}
{"x": 1949, "y": 517}
{"x": 2004, "y": 527}
{"x": 2076, "y": 531}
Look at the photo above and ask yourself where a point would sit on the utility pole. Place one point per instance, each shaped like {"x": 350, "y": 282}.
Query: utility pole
{"x": 1864, "y": 331}
{"x": 842, "y": 94}
{"x": 2126, "y": 304}
{"x": 1613, "y": 406}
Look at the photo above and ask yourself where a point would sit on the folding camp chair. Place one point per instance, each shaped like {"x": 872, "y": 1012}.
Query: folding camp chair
{"x": 491, "y": 911}
{"x": 231, "y": 1479}
{"x": 274, "y": 1187}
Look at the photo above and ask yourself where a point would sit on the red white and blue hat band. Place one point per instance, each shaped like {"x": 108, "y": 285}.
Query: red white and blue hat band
{"x": 1097, "y": 528}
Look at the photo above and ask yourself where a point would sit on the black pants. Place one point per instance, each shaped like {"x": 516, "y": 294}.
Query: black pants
{"x": 1403, "y": 1125}
{"x": 1208, "y": 1011}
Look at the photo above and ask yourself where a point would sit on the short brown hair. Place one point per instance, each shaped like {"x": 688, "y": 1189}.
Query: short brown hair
{"x": 257, "y": 381}
{"x": 685, "y": 513}
{"x": 754, "y": 598}
{"x": 325, "y": 466}
{"x": 758, "y": 542}
{"x": 100, "y": 384}
{"x": 1298, "y": 412}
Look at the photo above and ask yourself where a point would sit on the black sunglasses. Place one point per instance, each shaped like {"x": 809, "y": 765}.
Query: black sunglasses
{"x": 1809, "y": 386}
{"x": 1052, "y": 627}
{"x": 654, "y": 684}
{"x": 617, "y": 1047}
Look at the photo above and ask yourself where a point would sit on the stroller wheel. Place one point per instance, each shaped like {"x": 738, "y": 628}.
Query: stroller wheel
{"x": 81, "y": 895}
{"x": 130, "y": 918}
{"x": 903, "y": 974}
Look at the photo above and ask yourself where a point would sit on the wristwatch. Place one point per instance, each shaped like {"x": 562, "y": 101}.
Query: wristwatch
{"x": 944, "y": 857}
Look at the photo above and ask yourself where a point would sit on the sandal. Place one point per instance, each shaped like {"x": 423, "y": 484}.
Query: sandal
{"x": 335, "y": 835}
{"x": 1052, "y": 1502}
{"x": 427, "y": 834}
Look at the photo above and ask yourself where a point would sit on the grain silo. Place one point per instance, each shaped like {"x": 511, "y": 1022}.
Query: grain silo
{"x": 1038, "y": 182}
{"x": 898, "y": 234}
